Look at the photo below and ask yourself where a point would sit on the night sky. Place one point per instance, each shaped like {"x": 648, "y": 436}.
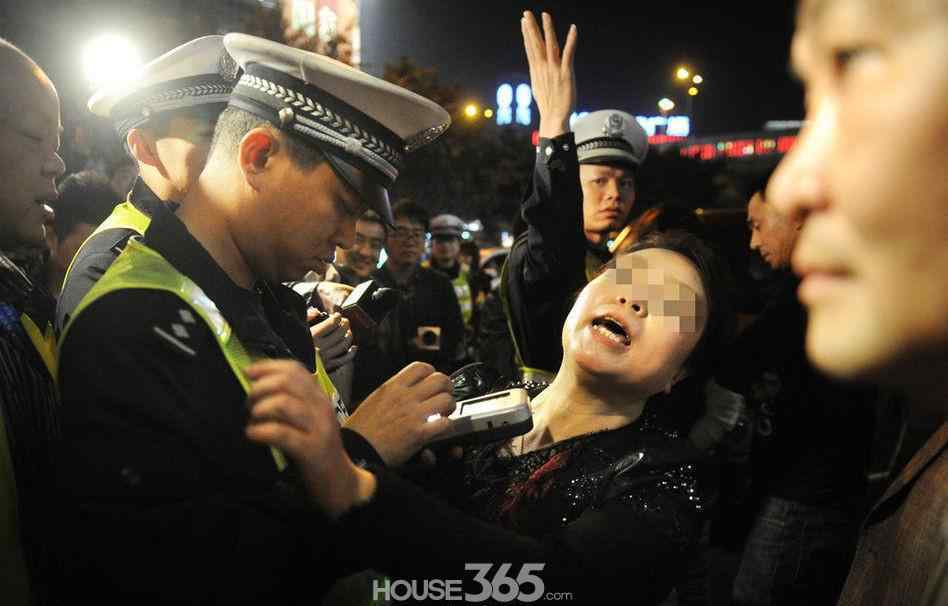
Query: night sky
{"x": 626, "y": 55}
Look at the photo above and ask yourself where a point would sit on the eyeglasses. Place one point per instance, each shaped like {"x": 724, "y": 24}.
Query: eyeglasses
{"x": 405, "y": 233}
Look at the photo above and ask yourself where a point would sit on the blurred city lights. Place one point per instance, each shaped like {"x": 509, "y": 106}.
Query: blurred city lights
{"x": 693, "y": 91}
{"x": 697, "y": 79}
{"x": 471, "y": 110}
{"x": 108, "y": 60}
{"x": 666, "y": 105}
{"x": 682, "y": 73}
{"x": 505, "y": 95}
{"x": 524, "y": 98}
{"x": 488, "y": 113}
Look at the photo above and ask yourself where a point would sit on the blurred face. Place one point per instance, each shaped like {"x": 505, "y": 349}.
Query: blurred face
{"x": 406, "y": 243}
{"x": 636, "y": 323}
{"x": 29, "y": 160}
{"x": 869, "y": 175}
{"x": 445, "y": 250}
{"x": 608, "y": 195}
{"x": 772, "y": 235}
{"x": 297, "y": 219}
{"x": 363, "y": 257}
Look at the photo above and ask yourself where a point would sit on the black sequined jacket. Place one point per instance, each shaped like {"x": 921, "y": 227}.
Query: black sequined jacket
{"x": 612, "y": 514}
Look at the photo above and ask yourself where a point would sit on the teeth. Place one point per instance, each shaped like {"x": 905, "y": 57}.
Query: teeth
{"x": 618, "y": 339}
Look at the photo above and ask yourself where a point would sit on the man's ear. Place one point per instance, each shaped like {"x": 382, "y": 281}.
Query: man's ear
{"x": 255, "y": 154}
{"x": 143, "y": 149}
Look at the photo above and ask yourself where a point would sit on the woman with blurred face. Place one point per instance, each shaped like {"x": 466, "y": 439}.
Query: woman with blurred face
{"x": 606, "y": 491}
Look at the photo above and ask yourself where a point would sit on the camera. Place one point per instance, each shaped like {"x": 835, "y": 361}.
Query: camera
{"x": 368, "y": 304}
{"x": 428, "y": 338}
{"x": 365, "y": 307}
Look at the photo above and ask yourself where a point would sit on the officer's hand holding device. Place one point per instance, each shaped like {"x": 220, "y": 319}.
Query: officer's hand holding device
{"x": 496, "y": 416}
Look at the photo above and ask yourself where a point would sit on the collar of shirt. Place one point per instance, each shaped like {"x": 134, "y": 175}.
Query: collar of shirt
{"x": 145, "y": 200}
{"x": 262, "y": 320}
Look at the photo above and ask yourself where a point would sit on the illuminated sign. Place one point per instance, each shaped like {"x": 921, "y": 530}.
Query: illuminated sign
{"x": 673, "y": 126}
{"x": 505, "y": 97}
{"x": 524, "y": 98}
{"x": 505, "y": 100}
{"x": 738, "y": 148}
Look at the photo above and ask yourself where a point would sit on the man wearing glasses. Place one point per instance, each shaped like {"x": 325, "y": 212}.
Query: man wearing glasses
{"x": 426, "y": 326}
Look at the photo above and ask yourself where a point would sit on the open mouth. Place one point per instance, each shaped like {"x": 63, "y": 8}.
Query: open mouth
{"x": 612, "y": 329}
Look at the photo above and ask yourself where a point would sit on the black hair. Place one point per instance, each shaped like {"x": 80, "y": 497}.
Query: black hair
{"x": 233, "y": 124}
{"x": 755, "y": 180}
{"x": 84, "y": 197}
{"x": 412, "y": 211}
{"x": 718, "y": 288}
{"x": 370, "y": 216}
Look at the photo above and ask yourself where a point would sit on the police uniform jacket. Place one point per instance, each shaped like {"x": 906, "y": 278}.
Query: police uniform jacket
{"x": 546, "y": 267}
{"x": 166, "y": 500}
{"x": 98, "y": 253}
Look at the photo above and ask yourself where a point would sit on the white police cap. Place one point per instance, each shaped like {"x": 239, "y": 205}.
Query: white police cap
{"x": 446, "y": 225}
{"x": 610, "y": 136}
{"x": 363, "y": 124}
{"x": 197, "y": 73}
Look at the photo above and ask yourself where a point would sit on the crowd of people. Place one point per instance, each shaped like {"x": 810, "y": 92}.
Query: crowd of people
{"x": 215, "y": 390}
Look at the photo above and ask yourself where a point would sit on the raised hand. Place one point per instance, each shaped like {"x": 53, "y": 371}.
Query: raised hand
{"x": 551, "y": 73}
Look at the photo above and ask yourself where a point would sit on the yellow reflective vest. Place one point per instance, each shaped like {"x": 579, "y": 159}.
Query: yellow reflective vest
{"x": 141, "y": 267}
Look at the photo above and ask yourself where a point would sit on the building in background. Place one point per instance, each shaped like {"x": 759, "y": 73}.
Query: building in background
{"x": 329, "y": 27}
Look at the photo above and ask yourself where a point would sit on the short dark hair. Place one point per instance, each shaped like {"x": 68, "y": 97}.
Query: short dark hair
{"x": 414, "y": 212}
{"x": 84, "y": 197}
{"x": 718, "y": 288}
{"x": 233, "y": 124}
{"x": 755, "y": 180}
{"x": 370, "y": 216}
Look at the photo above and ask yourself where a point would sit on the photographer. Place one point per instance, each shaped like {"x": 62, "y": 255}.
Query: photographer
{"x": 426, "y": 326}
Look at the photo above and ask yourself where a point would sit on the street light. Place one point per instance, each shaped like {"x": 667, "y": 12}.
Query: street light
{"x": 471, "y": 110}
{"x": 693, "y": 91}
{"x": 666, "y": 105}
{"x": 488, "y": 113}
{"x": 697, "y": 79}
{"x": 109, "y": 59}
{"x": 683, "y": 73}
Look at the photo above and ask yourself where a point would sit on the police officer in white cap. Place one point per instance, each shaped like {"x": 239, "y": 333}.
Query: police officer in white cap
{"x": 446, "y": 232}
{"x": 165, "y": 116}
{"x": 172, "y": 502}
{"x": 582, "y": 190}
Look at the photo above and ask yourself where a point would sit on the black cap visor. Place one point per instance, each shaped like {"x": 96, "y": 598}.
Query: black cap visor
{"x": 373, "y": 194}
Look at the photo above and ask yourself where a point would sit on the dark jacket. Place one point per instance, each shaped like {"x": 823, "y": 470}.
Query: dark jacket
{"x": 30, "y": 413}
{"x": 165, "y": 499}
{"x": 427, "y": 300}
{"x": 903, "y": 543}
{"x": 546, "y": 267}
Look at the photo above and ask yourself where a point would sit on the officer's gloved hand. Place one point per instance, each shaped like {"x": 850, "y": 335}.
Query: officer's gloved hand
{"x": 475, "y": 379}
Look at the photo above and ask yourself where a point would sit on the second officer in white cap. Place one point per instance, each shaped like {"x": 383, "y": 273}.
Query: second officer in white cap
{"x": 171, "y": 501}
{"x": 165, "y": 116}
{"x": 583, "y": 188}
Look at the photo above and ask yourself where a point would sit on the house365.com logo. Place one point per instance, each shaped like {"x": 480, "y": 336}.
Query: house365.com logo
{"x": 501, "y": 586}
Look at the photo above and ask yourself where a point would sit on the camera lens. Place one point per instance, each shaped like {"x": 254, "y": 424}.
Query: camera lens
{"x": 429, "y": 338}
